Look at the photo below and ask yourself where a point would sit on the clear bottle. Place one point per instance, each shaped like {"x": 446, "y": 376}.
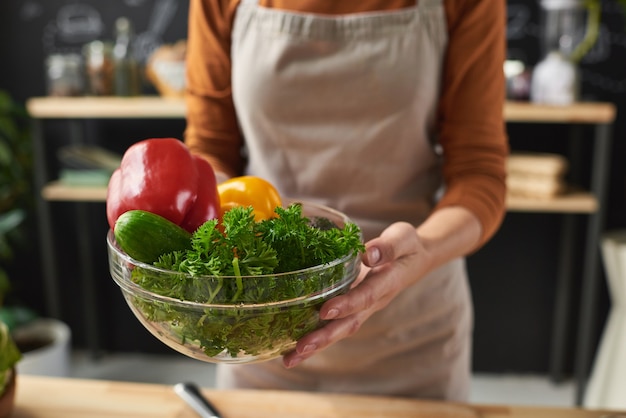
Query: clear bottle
{"x": 99, "y": 68}
{"x": 126, "y": 74}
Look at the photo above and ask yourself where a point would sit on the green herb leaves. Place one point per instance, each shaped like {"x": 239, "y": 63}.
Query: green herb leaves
{"x": 288, "y": 242}
{"x": 257, "y": 297}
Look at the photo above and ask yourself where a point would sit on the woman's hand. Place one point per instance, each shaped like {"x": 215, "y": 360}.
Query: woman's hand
{"x": 392, "y": 262}
{"x": 395, "y": 260}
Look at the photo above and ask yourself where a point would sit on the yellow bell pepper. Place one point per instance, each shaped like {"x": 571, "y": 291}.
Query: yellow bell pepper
{"x": 249, "y": 191}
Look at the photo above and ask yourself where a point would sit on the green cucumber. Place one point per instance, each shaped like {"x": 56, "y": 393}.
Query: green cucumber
{"x": 145, "y": 236}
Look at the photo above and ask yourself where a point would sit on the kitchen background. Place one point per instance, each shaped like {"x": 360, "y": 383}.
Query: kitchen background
{"x": 513, "y": 277}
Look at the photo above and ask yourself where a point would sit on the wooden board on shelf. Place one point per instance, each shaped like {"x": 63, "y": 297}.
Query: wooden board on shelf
{"x": 56, "y": 190}
{"x": 582, "y": 112}
{"x": 106, "y": 107}
{"x": 571, "y": 202}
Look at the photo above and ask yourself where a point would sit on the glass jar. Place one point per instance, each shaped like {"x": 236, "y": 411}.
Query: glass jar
{"x": 65, "y": 75}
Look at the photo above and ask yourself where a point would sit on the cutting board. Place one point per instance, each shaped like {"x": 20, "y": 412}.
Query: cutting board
{"x": 50, "y": 397}
{"x": 248, "y": 404}
{"x": 39, "y": 397}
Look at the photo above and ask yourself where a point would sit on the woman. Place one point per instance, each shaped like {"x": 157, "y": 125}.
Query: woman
{"x": 390, "y": 111}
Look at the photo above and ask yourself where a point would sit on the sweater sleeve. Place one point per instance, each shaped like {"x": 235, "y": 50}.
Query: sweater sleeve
{"x": 471, "y": 126}
{"x": 212, "y": 130}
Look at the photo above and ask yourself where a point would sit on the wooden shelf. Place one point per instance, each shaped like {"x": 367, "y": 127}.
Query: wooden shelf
{"x": 576, "y": 202}
{"x": 159, "y": 107}
{"x": 148, "y": 107}
{"x": 582, "y": 112}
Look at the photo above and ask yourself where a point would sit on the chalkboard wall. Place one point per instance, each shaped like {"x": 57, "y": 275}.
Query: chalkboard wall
{"x": 34, "y": 29}
{"x": 512, "y": 277}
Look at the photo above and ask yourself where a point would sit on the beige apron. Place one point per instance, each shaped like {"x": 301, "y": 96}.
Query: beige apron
{"x": 341, "y": 110}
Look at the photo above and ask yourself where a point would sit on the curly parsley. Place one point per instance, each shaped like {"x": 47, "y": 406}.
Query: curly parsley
{"x": 221, "y": 266}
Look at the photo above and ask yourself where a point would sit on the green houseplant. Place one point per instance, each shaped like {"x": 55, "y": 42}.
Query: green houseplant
{"x": 16, "y": 196}
{"x": 16, "y": 190}
{"x": 9, "y": 352}
{"x": 15, "y": 157}
{"x": 9, "y": 356}
{"x": 45, "y": 343}
{"x": 15, "y": 202}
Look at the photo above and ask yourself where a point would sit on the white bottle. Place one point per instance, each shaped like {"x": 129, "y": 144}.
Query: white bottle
{"x": 555, "y": 81}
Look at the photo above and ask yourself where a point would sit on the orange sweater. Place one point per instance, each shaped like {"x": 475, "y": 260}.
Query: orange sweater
{"x": 470, "y": 124}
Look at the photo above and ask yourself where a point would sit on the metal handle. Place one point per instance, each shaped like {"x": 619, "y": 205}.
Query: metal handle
{"x": 192, "y": 395}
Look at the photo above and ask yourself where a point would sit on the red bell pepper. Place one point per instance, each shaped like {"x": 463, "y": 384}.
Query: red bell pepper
{"x": 161, "y": 176}
{"x": 207, "y": 204}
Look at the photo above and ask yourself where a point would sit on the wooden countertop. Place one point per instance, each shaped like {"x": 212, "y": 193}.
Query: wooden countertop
{"x": 48, "y": 397}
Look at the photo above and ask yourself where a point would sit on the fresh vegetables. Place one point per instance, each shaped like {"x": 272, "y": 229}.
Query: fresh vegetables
{"x": 220, "y": 268}
{"x": 232, "y": 249}
{"x": 145, "y": 235}
{"x": 161, "y": 176}
{"x": 207, "y": 203}
{"x": 249, "y": 191}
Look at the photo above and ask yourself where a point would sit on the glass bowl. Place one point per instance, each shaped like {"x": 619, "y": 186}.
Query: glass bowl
{"x": 285, "y": 306}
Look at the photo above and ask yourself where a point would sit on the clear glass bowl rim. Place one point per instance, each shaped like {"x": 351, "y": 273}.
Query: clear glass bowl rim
{"x": 133, "y": 289}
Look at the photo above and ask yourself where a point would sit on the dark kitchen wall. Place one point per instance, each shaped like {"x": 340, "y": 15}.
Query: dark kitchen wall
{"x": 513, "y": 277}
{"x": 34, "y": 29}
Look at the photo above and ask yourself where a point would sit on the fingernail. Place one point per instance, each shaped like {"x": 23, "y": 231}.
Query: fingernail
{"x": 294, "y": 362}
{"x": 373, "y": 255}
{"x": 308, "y": 348}
{"x": 332, "y": 314}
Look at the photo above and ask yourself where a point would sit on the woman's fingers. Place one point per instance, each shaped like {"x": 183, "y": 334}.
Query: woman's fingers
{"x": 334, "y": 331}
{"x": 398, "y": 240}
{"x": 374, "y": 292}
{"x": 386, "y": 269}
{"x": 348, "y": 312}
